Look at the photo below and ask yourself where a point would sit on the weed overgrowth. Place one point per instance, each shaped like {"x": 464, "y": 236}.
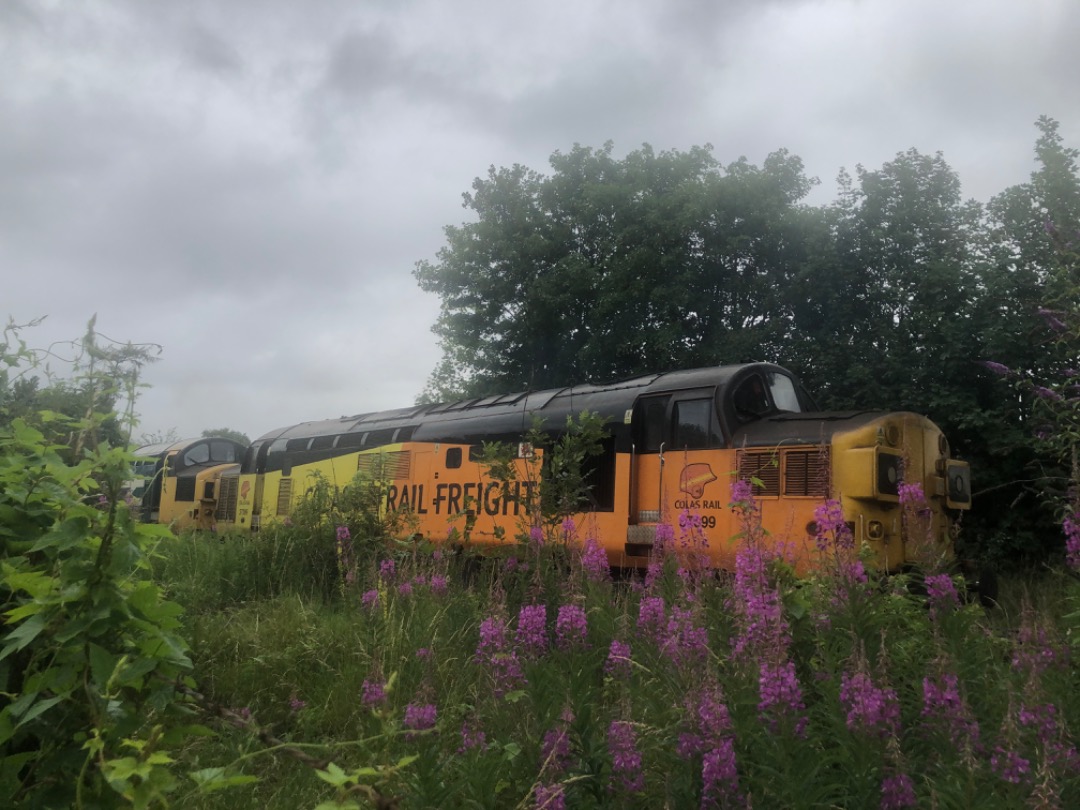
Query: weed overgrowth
{"x": 534, "y": 679}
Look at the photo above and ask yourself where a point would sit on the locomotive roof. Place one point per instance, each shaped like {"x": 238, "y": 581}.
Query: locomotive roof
{"x": 513, "y": 413}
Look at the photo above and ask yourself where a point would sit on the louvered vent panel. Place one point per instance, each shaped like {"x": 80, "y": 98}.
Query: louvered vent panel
{"x": 226, "y": 504}
{"x": 396, "y": 464}
{"x": 284, "y": 495}
{"x": 763, "y": 465}
{"x": 806, "y": 472}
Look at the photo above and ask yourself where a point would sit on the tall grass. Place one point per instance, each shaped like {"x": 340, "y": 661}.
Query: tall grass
{"x": 535, "y": 679}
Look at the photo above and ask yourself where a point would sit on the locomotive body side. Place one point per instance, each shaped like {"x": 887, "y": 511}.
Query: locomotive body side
{"x": 675, "y": 444}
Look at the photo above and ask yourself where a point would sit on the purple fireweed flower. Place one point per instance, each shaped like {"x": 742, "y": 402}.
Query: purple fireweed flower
{"x": 684, "y": 641}
{"x": 720, "y": 776}
{"x": 571, "y": 626}
{"x": 625, "y": 759}
{"x": 423, "y": 653}
{"x": 536, "y": 535}
{"x": 652, "y": 618}
{"x": 387, "y": 569}
{"x": 897, "y": 792}
{"x": 689, "y": 745}
{"x": 871, "y": 710}
{"x": 420, "y": 717}
{"x": 295, "y": 703}
{"x": 831, "y": 530}
{"x": 742, "y": 493}
{"x": 506, "y": 673}
{"x": 372, "y": 693}
{"x": 370, "y": 599}
{"x": 1048, "y": 394}
{"x": 405, "y": 589}
{"x": 568, "y": 528}
{"x": 653, "y": 572}
{"x": 912, "y": 494}
{"x": 549, "y": 797}
{"x": 555, "y": 750}
{"x": 1071, "y": 525}
{"x": 618, "y": 660}
{"x": 781, "y": 695}
{"x": 1051, "y": 736}
{"x": 665, "y": 534}
{"x": 471, "y": 738}
{"x": 532, "y": 630}
{"x": 1009, "y": 765}
{"x": 1034, "y": 651}
{"x": 594, "y": 561}
{"x": 438, "y": 584}
{"x": 510, "y": 565}
{"x": 492, "y": 637}
{"x": 942, "y": 595}
{"x": 493, "y": 654}
{"x": 944, "y": 710}
{"x": 996, "y": 368}
{"x": 343, "y": 534}
{"x": 760, "y": 624}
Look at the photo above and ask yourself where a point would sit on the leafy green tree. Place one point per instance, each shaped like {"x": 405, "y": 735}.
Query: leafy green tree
{"x": 613, "y": 267}
{"x": 226, "y": 433}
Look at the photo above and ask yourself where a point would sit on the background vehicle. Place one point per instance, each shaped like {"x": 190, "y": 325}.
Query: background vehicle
{"x": 675, "y": 443}
{"x": 177, "y": 482}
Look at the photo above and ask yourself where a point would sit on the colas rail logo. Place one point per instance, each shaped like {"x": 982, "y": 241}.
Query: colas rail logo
{"x": 693, "y": 480}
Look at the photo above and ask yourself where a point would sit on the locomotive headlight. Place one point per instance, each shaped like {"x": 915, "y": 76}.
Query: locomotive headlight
{"x": 958, "y": 475}
{"x": 888, "y": 473}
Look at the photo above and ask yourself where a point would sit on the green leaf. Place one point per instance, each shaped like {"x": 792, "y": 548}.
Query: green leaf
{"x": 333, "y": 775}
{"x": 211, "y": 779}
{"x": 35, "y": 583}
{"x": 102, "y": 665}
{"x": 22, "y": 635}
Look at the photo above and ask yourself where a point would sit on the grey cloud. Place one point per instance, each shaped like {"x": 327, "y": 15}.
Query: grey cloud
{"x": 209, "y": 51}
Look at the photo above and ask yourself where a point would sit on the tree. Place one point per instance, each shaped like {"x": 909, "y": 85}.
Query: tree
{"x": 227, "y": 433}
{"x": 610, "y": 267}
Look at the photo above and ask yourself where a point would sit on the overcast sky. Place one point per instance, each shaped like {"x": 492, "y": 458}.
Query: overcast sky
{"x": 250, "y": 184}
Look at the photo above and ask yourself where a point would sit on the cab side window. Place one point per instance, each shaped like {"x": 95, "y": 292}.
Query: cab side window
{"x": 695, "y": 428}
{"x": 750, "y": 400}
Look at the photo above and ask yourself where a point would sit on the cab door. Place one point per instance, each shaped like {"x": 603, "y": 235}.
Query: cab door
{"x": 650, "y": 433}
{"x": 676, "y": 444}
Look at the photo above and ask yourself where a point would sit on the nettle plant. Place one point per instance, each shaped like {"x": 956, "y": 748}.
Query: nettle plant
{"x": 90, "y": 659}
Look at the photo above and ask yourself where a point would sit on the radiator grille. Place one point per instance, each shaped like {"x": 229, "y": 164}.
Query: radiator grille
{"x": 806, "y": 472}
{"x": 284, "y": 495}
{"x": 763, "y": 465}
{"x": 392, "y": 465}
{"x": 226, "y": 502}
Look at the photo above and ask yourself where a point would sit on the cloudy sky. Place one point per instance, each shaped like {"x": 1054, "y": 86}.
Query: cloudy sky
{"x": 250, "y": 184}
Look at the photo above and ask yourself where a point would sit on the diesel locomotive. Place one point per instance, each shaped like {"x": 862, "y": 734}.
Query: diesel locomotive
{"x": 674, "y": 443}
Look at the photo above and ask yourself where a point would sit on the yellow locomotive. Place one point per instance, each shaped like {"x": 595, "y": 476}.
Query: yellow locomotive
{"x": 674, "y": 444}
{"x": 178, "y": 483}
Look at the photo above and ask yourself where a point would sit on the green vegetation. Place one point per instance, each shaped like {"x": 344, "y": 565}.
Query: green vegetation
{"x": 435, "y": 680}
